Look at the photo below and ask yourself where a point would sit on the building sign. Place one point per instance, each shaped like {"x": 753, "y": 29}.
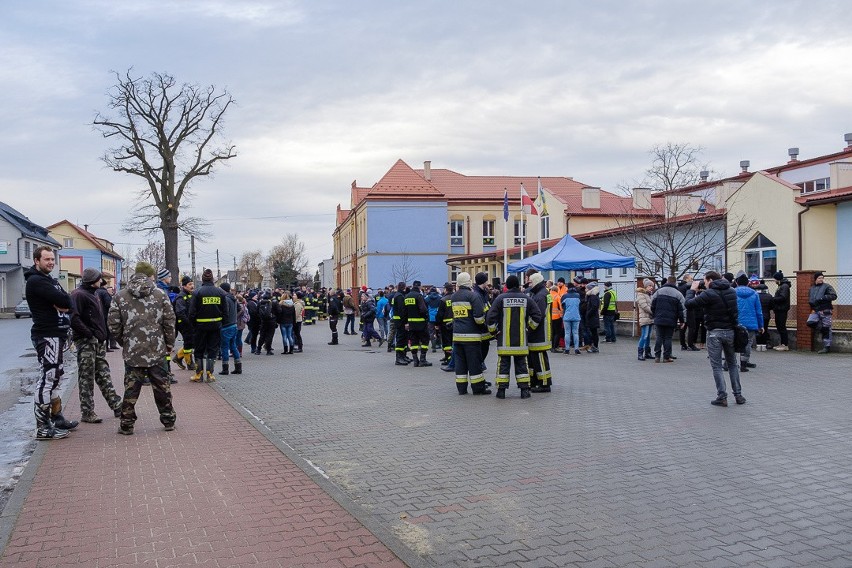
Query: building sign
{"x": 4, "y": 247}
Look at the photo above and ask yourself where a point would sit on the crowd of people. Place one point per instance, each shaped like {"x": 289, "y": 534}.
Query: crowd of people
{"x": 528, "y": 320}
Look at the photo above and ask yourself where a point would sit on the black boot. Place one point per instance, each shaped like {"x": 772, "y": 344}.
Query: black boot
{"x": 423, "y": 361}
{"x": 743, "y": 367}
{"x": 407, "y": 358}
{"x": 224, "y": 368}
{"x": 59, "y": 421}
{"x": 463, "y": 388}
{"x": 367, "y": 343}
{"x": 501, "y": 392}
{"x": 641, "y": 354}
{"x": 45, "y": 429}
{"x": 333, "y": 339}
{"x": 648, "y": 354}
{"x": 416, "y": 361}
{"x": 525, "y": 392}
{"x": 238, "y": 367}
{"x": 400, "y": 358}
{"x": 480, "y": 388}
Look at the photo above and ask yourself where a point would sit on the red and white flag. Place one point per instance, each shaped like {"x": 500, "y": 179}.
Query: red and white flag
{"x": 527, "y": 203}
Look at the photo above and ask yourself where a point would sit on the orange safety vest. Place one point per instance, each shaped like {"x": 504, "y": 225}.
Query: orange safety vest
{"x": 556, "y": 310}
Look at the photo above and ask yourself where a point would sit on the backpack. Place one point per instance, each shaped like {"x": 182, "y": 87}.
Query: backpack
{"x": 245, "y": 317}
{"x": 265, "y": 311}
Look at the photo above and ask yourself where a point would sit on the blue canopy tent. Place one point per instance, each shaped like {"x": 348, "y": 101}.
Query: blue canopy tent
{"x": 569, "y": 254}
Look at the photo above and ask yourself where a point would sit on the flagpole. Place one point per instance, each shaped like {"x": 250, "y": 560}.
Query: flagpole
{"x": 522, "y": 231}
{"x": 505, "y": 236}
{"x": 540, "y": 209}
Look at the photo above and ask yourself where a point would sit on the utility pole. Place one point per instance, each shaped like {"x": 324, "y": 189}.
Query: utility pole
{"x": 218, "y": 271}
{"x": 192, "y": 255}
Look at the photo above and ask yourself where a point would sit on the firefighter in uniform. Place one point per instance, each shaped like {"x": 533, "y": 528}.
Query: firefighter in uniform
{"x": 444, "y": 322}
{"x": 184, "y": 327}
{"x": 509, "y": 316}
{"x": 310, "y": 308}
{"x": 417, "y": 324}
{"x": 207, "y": 310}
{"x": 481, "y": 288}
{"x": 539, "y": 339}
{"x": 468, "y": 319}
{"x": 400, "y": 333}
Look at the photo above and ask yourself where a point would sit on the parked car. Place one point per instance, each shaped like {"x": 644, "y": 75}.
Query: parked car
{"x": 22, "y": 309}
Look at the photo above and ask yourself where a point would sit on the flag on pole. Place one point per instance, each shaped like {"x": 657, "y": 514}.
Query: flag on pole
{"x": 539, "y": 200}
{"x": 506, "y": 205}
{"x": 527, "y": 204}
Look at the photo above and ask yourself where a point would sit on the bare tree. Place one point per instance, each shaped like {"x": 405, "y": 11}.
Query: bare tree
{"x": 690, "y": 233}
{"x": 405, "y": 269}
{"x": 154, "y": 253}
{"x": 251, "y": 267}
{"x": 168, "y": 135}
{"x": 287, "y": 261}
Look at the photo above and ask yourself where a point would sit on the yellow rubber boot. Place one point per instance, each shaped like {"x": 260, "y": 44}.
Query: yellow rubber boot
{"x": 179, "y": 360}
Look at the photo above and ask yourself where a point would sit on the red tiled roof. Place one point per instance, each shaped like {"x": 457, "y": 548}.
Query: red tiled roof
{"x": 845, "y": 153}
{"x": 97, "y": 241}
{"x": 342, "y": 215}
{"x": 403, "y": 182}
{"x": 822, "y": 197}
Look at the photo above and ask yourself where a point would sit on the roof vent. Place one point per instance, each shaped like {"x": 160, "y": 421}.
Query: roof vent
{"x": 704, "y": 174}
{"x": 848, "y": 138}
{"x": 794, "y": 154}
{"x": 744, "y": 164}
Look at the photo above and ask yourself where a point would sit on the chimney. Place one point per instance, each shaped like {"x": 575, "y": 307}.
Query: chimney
{"x": 794, "y": 155}
{"x": 641, "y": 198}
{"x": 427, "y": 170}
{"x": 848, "y": 138}
{"x": 744, "y": 164}
{"x": 703, "y": 174}
{"x": 591, "y": 198}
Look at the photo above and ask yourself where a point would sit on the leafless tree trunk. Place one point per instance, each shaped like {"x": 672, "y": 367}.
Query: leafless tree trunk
{"x": 168, "y": 135}
{"x": 405, "y": 270}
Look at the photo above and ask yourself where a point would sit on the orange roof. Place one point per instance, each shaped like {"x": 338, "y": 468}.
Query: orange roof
{"x": 97, "y": 241}
{"x": 823, "y": 197}
{"x": 402, "y": 181}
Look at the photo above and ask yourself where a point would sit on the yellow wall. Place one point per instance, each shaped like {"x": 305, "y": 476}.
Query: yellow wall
{"x": 819, "y": 239}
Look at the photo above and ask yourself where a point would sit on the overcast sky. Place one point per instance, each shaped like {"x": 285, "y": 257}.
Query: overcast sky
{"x": 331, "y": 92}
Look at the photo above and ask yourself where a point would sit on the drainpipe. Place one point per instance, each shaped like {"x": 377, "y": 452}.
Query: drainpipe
{"x": 805, "y": 210}
{"x": 468, "y": 235}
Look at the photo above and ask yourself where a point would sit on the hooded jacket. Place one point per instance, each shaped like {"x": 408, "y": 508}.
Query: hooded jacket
{"x": 44, "y": 296}
{"x": 668, "y": 306}
{"x": 593, "y": 303}
{"x": 87, "y": 318}
{"x": 719, "y": 302}
{"x": 142, "y": 320}
{"x": 643, "y": 304}
{"x": 748, "y": 306}
{"x": 571, "y": 305}
{"x": 781, "y": 300}
{"x": 820, "y": 297}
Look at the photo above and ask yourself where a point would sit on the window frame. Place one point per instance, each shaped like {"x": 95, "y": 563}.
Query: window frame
{"x": 488, "y": 230}
{"x": 456, "y": 232}
{"x": 517, "y": 236}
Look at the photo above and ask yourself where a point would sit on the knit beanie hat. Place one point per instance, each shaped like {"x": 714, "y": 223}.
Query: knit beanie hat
{"x": 207, "y": 275}
{"x": 536, "y": 279}
{"x": 817, "y": 275}
{"x": 463, "y": 279}
{"x": 647, "y": 282}
{"x": 91, "y": 275}
{"x": 482, "y": 278}
{"x": 185, "y": 280}
{"x": 511, "y": 282}
{"x": 226, "y": 286}
{"x": 779, "y": 276}
{"x": 144, "y": 268}
{"x": 163, "y": 273}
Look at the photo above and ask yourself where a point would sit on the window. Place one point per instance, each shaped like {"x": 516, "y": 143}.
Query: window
{"x": 454, "y": 272}
{"x": 545, "y": 227}
{"x": 640, "y": 268}
{"x": 821, "y": 184}
{"x": 27, "y": 250}
{"x": 608, "y": 273}
{"x": 623, "y": 272}
{"x": 520, "y": 232}
{"x": 658, "y": 267}
{"x": 68, "y": 243}
{"x": 457, "y": 233}
{"x": 488, "y": 232}
{"x": 761, "y": 257}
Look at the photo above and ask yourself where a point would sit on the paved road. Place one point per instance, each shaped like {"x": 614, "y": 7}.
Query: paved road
{"x": 624, "y": 464}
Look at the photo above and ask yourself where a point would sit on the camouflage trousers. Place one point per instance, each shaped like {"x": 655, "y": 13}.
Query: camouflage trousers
{"x": 93, "y": 369}
{"x": 133, "y": 377}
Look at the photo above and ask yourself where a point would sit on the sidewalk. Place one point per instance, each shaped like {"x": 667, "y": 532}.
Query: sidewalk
{"x": 215, "y": 492}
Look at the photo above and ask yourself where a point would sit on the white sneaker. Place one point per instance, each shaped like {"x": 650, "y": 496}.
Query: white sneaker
{"x": 781, "y": 348}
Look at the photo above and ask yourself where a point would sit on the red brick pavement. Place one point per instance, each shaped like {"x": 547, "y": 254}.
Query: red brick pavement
{"x": 214, "y": 492}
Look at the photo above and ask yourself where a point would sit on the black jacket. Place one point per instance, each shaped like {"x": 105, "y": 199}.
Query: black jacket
{"x": 781, "y": 301}
{"x": 668, "y": 306}
{"x": 592, "y": 314}
{"x": 335, "y": 306}
{"x": 719, "y": 303}
{"x": 44, "y": 296}
{"x": 285, "y": 313}
{"x": 208, "y": 308}
{"x": 87, "y": 317}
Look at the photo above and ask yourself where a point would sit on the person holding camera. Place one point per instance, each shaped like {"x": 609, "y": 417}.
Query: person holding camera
{"x": 721, "y": 316}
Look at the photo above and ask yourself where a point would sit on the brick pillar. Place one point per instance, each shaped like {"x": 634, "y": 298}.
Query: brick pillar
{"x": 804, "y": 334}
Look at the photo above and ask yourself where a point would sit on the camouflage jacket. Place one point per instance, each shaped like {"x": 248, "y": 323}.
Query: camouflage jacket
{"x": 142, "y": 320}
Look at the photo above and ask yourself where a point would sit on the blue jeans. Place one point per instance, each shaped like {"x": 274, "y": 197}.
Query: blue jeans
{"x": 572, "y": 330}
{"x": 645, "y": 336}
{"x": 287, "y": 336}
{"x": 719, "y": 341}
{"x": 383, "y": 327}
{"x": 609, "y": 327}
{"x": 228, "y": 343}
